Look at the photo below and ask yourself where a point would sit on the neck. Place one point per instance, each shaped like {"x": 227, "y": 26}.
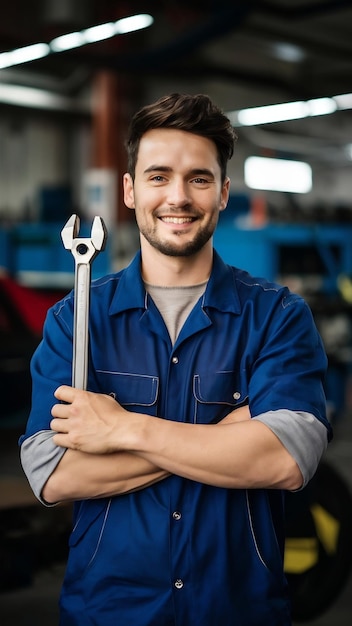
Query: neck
{"x": 172, "y": 271}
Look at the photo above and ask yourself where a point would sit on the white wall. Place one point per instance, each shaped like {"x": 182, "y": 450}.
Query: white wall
{"x": 38, "y": 151}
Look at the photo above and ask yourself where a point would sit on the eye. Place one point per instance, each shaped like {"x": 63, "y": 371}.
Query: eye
{"x": 158, "y": 178}
{"x": 200, "y": 181}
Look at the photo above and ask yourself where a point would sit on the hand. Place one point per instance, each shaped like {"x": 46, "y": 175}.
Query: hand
{"x": 87, "y": 421}
{"x": 238, "y": 415}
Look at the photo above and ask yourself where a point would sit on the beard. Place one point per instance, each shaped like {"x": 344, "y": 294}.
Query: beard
{"x": 185, "y": 249}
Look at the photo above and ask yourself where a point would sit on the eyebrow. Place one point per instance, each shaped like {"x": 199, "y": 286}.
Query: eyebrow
{"x": 157, "y": 168}
{"x": 193, "y": 172}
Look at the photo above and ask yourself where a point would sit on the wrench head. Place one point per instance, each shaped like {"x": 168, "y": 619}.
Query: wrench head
{"x": 84, "y": 249}
{"x": 99, "y": 233}
{"x": 70, "y": 231}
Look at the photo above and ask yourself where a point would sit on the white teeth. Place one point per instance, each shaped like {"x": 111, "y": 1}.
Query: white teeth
{"x": 177, "y": 220}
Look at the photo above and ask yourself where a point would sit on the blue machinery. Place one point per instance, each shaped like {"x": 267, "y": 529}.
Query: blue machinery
{"x": 33, "y": 254}
{"x": 266, "y": 251}
{"x": 280, "y": 252}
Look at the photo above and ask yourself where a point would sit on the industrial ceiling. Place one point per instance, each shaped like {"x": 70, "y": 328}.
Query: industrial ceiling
{"x": 243, "y": 53}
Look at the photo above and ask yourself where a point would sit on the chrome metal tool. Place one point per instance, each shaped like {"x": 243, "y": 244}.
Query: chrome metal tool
{"x": 84, "y": 251}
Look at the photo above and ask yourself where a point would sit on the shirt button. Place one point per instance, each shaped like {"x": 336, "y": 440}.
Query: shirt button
{"x": 236, "y": 395}
{"x": 179, "y": 583}
{"x": 175, "y": 360}
{"x": 177, "y": 515}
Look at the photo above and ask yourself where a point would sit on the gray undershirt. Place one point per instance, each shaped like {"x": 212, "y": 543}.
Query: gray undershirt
{"x": 175, "y": 304}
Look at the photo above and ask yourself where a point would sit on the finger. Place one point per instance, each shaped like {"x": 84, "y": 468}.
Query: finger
{"x": 61, "y": 440}
{"x": 60, "y": 410}
{"x": 59, "y": 425}
{"x": 65, "y": 393}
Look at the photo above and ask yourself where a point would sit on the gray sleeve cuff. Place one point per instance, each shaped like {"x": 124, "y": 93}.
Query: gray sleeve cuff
{"x": 39, "y": 458}
{"x": 302, "y": 434}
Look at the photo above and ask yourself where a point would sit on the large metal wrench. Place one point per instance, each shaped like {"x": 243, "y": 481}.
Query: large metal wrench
{"x": 84, "y": 251}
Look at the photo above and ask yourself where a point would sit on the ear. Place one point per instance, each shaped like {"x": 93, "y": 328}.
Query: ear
{"x": 128, "y": 191}
{"x": 225, "y": 192}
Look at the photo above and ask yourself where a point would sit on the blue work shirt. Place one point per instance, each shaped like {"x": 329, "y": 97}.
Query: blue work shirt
{"x": 181, "y": 553}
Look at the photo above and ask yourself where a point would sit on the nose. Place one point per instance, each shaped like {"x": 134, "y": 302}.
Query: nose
{"x": 178, "y": 193}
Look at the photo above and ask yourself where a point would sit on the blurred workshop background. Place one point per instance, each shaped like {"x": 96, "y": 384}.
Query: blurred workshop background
{"x": 72, "y": 72}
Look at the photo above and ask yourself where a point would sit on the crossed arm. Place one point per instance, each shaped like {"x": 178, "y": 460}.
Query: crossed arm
{"x": 92, "y": 475}
{"x": 111, "y": 451}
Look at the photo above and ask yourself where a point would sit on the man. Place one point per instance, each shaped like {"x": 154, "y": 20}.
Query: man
{"x": 178, "y": 494}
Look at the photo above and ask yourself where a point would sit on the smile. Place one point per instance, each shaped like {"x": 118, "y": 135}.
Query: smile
{"x": 177, "y": 220}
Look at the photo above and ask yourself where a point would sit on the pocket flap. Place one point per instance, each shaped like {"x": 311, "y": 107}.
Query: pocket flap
{"x": 131, "y": 389}
{"x": 218, "y": 388}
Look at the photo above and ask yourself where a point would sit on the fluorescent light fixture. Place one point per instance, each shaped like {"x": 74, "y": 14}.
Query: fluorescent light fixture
{"x": 272, "y": 113}
{"x": 278, "y": 175}
{"x": 37, "y": 98}
{"x": 101, "y": 32}
{"x": 24, "y": 55}
{"x": 322, "y": 106}
{"x": 348, "y": 150}
{"x": 67, "y": 42}
{"x": 288, "y": 52}
{"x": 344, "y": 101}
{"x": 290, "y": 110}
{"x": 133, "y": 22}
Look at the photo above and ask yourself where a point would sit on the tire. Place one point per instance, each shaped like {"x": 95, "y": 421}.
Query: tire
{"x": 318, "y": 552}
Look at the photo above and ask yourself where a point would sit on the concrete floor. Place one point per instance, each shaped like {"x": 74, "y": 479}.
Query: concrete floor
{"x": 35, "y": 604}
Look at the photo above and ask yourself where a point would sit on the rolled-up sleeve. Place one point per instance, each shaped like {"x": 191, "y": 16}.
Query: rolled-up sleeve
{"x": 39, "y": 458}
{"x": 302, "y": 434}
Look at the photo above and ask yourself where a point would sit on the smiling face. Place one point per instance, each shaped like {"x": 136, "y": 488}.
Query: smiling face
{"x": 177, "y": 192}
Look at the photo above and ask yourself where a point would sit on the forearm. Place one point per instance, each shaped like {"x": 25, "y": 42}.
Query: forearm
{"x": 246, "y": 454}
{"x": 80, "y": 476}
{"x": 233, "y": 454}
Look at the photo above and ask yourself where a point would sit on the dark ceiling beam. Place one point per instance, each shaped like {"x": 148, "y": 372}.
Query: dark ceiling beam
{"x": 326, "y": 50}
{"x": 222, "y": 20}
{"x": 310, "y": 9}
{"x": 161, "y": 58}
{"x": 291, "y": 88}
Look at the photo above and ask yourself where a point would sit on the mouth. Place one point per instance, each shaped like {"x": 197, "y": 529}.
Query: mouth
{"x": 177, "y": 220}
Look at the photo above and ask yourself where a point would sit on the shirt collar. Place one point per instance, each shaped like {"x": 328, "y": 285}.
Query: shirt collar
{"x": 130, "y": 292}
{"x": 221, "y": 292}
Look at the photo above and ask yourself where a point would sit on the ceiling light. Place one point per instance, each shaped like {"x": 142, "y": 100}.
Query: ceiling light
{"x": 290, "y": 110}
{"x": 322, "y": 106}
{"x": 348, "y": 150}
{"x": 99, "y": 33}
{"x": 288, "y": 52}
{"x": 70, "y": 41}
{"x": 20, "y": 95}
{"x": 67, "y": 42}
{"x": 272, "y": 113}
{"x": 24, "y": 55}
{"x": 278, "y": 175}
{"x": 133, "y": 22}
{"x": 344, "y": 101}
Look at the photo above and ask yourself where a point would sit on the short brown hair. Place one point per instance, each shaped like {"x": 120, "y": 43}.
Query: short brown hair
{"x": 195, "y": 114}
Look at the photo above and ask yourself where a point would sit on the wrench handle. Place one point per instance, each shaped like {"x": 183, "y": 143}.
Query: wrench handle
{"x": 81, "y": 316}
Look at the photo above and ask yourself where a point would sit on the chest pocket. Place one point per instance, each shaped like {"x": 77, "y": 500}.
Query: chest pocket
{"x": 216, "y": 395}
{"x": 131, "y": 390}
